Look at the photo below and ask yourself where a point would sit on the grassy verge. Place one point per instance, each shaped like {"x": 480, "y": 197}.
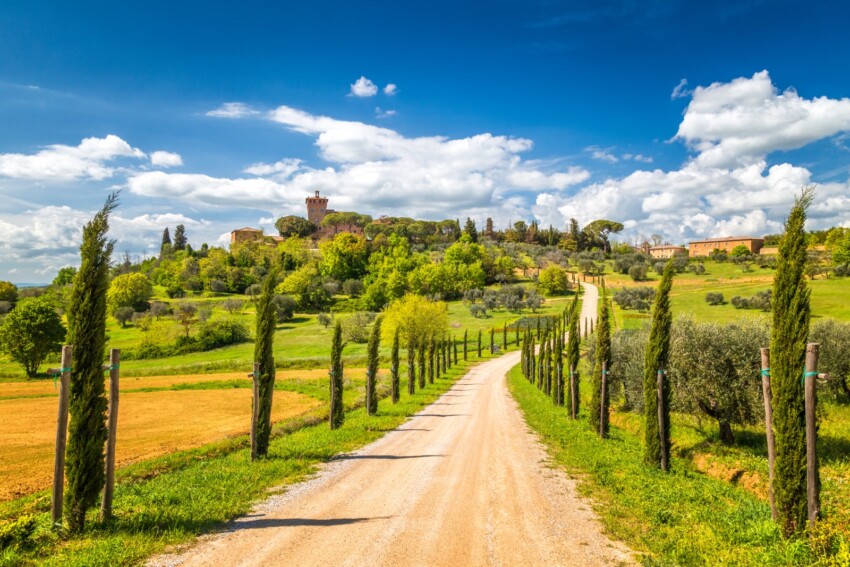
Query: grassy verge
{"x": 682, "y": 518}
{"x": 172, "y": 499}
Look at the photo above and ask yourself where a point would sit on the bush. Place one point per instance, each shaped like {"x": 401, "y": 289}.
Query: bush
{"x": 355, "y": 328}
{"x": 477, "y": 310}
{"x": 232, "y": 305}
{"x": 636, "y": 298}
{"x": 5, "y": 307}
{"x": 698, "y": 269}
{"x": 220, "y": 333}
{"x": 123, "y": 314}
{"x": 325, "y": 319}
{"x": 638, "y": 272}
{"x": 218, "y": 286}
{"x": 284, "y": 307}
{"x": 352, "y": 287}
{"x": 554, "y": 280}
{"x": 175, "y": 291}
{"x": 18, "y": 532}
{"x": 714, "y": 298}
{"x": 761, "y": 300}
{"x": 659, "y": 267}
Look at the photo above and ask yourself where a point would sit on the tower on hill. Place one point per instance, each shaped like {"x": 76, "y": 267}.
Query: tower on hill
{"x": 317, "y": 208}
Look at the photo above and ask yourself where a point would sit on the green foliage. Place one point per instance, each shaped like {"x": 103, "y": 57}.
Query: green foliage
{"x": 65, "y": 276}
{"x": 8, "y": 292}
{"x": 657, "y": 357}
{"x": 18, "y": 532}
{"x": 834, "y": 339}
{"x": 372, "y": 366}
{"x": 791, "y": 314}
{"x": 123, "y": 314}
{"x": 344, "y": 257}
{"x": 637, "y": 298}
{"x": 87, "y": 332}
{"x": 416, "y": 317}
{"x": 293, "y": 225}
{"x": 739, "y": 250}
{"x": 573, "y": 342}
{"x": 638, "y": 272}
{"x": 179, "y": 242}
{"x": 713, "y": 298}
{"x": 470, "y": 230}
{"x": 337, "y": 411}
{"x": 394, "y": 367}
{"x": 31, "y": 332}
{"x": 264, "y": 356}
{"x": 554, "y": 280}
{"x": 598, "y": 401}
{"x": 761, "y": 301}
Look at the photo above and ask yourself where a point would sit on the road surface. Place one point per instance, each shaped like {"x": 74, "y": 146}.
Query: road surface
{"x": 464, "y": 482}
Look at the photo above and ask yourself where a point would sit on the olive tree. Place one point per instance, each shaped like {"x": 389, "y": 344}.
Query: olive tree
{"x": 31, "y": 332}
{"x": 834, "y": 339}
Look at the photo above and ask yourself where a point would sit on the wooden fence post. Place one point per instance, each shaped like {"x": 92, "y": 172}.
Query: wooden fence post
{"x": 768, "y": 424}
{"x": 255, "y": 408}
{"x": 61, "y": 434}
{"x": 112, "y": 428}
{"x": 602, "y": 395}
{"x": 661, "y": 424}
{"x": 812, "y": 476}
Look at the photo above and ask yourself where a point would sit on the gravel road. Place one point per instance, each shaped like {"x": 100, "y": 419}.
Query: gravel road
{"x": 464, "y": 482}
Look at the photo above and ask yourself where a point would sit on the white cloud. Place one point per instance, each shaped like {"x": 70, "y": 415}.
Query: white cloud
{"x": 59, "y": 162}
{"x": 381, "y": 113}
{"x": 638, "y": 157}
{"x": 681, "y": 90}
{"x": 363, "y": 87}
{"x": 283, "y": 168}
{"x": 166, "y": 159}
{"x": 740, "y": 122}
{"x": 391, "y": 89}
{"x": 233, "y": 110}
{"x": 602, "y": 154}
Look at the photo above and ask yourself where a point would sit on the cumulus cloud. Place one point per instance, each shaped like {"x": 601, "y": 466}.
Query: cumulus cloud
{"x": 283, "y": 168}
{"x": 363, "y": 87}
{"x": 391, "y": 89}
{"x": 233, "y": 110}
{"x": 740, "y": 122}
{"x": 602, "y": 154}
{"x": 381, "y": 113}
{"x": 59, "y": 162}
{"x": 166, "y": 159}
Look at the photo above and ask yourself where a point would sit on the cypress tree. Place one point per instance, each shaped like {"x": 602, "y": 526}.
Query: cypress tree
{"x": 372, "y": 371}
{"x": 454, "y": 346}
{"x": 598, "y": 401}
{"x": 447, "y": 363}
{"x": 657, "y": 354}
{"x": 465, "y": 340}
{"x": 264, "y": 355}
{"x": 87, "y": 402}
{"x": 394, "y": 361}
{"x": 337, "y": 416}
{"x": 166, "y": 239}
{"x": 559, "y": 367}
{"x": 431, "y": 359}
{"x": 791, "y": 317}
{"x": 573, "y": 341}
{"x": 479, "y": 343}
{"x": 422, "y": 348}
{"x": 505, "y": 337}
{"x": 411, "y": 366}
{"x": 180, "y": 237}
{"x": 492, "y": 337}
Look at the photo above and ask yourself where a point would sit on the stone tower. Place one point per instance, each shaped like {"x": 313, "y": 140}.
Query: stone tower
{"x": 317, "y": 208}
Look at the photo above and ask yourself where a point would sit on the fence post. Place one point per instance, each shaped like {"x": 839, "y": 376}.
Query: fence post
{"x": 602, "y": 400}
{"x": 112, "y": 428}
{"x": 768, "y": 424}
{"x": 661, "y": 424}
{"x": 255, "y": 408}
{"x": 812, "y": 476}
{"x": 61, "y": 434}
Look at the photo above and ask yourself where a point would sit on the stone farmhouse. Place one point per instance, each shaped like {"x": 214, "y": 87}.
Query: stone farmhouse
{"x": 317, "y": 210}
{"x": 702, "y": 248}
{"x": 666, "y": 251}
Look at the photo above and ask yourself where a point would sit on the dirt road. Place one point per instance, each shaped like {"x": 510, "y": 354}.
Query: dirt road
{"x": 461, "y": 483}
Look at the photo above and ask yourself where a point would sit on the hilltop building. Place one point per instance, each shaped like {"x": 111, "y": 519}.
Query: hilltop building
{"x": 700, "y": 248}
{"x": 666, "y": 251}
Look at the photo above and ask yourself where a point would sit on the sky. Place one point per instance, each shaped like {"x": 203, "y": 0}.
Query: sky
{"x": 676, "y": 118}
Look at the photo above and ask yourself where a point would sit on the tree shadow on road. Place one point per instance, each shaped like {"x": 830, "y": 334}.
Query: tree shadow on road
{"x": 383, "y": 457}
{"x": 263, "y": 523}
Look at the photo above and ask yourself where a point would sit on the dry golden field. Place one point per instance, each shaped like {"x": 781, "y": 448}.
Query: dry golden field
{"x": 150, "y": 423}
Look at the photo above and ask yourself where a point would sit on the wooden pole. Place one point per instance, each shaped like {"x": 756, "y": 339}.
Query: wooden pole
{"x": 61, "y": 434}
{"x": 112, "y": 428}
{"x": 812, "y": 477}
{"x": 768, "y": 424}
{"x": 255, "y": 408}
{"x": 661, "y": 424}
{"x": 602, "y": 399}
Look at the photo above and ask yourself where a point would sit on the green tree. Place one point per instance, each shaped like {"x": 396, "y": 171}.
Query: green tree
{"x": 31, "y": 332}
{"x": 597, "y": 232}
{"x": 65, "y": 276}
{"x": 791, "y": 316}
{"x": 573, "y": 354}
{"x": 123, "y": 314}
{"x": 294, "y": 226}
{"x": 553, "y": 280}
{"x": 739, "y": 250}
{"x": 470, "y": 230}
{"x": 657, "y": 356}
{"x": 337, "y": 412}
{"x": 598, "y": 400}
{"x": 372, "y": 370}
{"x": 87, "y": 402}
{"x": 344, "y": 257}
{"x": 264, "y": 356}
{"x": 166, "y": 240}
{"x": 8, "y": 292}
{"x": 394, "y": 362}
{"x": 130, "y": 290}
{"x": 180, "y": 241}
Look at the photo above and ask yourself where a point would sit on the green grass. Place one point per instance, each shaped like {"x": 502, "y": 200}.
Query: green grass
{"x": 682, "y": 518}
{"x": 172, "y": 499}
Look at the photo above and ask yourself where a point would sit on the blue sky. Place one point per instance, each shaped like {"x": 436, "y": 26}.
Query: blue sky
{"x": 675, "y": 118}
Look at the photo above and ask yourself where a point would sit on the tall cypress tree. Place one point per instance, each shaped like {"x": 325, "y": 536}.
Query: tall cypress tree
{"x": 411, "y": 366}
{"x": 791, "y": 316}
{"x": 372, "y": 371}
{"x": 559, "y": 366}
{"x": 394, "y": 361}
{"x": 657, "y": 355}
{"x": 573, "y": 342}
{"x": 166, "y": 239}
{"x": 599, "y": 400}
{"x": 87, "y": 402}
{"x": 337, "y": 416}
{"x": 432, "y": 348}
{"x": 264, "y": 355}
{"x": 180, "y": 237}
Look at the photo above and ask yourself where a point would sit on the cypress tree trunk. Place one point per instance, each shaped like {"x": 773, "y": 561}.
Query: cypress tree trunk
{"x": 411, "y": 366}
{"x": 465, "y": 339}
{"x": 372, "y": 371}
{"x": 573, "y": 342}
{"x": 84, "y": 469}
{"x": 599, "y": 400}
{"x": 791, "y": 316}
{"x": 505, "y": 337}
{"x": 394, "y": 361}
{"x": 264, "y": 355}
{"x": 337, "y": 416}
{"x": 431, "y": 360}
{"x": 422, "y": 348}
{"x": 492, "y": 339}
{"x": 454, "y": 346}
{"x": 445, "y": 350}
{"x": 657, "y": 355}
{"x": 479, "y": 343}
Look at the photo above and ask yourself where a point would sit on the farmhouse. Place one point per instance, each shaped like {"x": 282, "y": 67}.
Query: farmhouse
{"x": 698, "y": 248}
{"x": 666, "y": 251}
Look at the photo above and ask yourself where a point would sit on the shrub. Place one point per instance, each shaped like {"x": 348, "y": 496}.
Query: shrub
{"x": 659, "y": 267}
{"x": 477, "y": 311}
{"x": 354, "y": 329}
{"x": 761, "y": 300}
{"x": 636, "y": 298}
{"x": 5, "y": 307}
{"x": 218, "y": 286}
{"x": 554, "y": 280}
{"x": 284, "y": 307}
{"x": 638, "y": 272}
{"x": 325, "y": 319}
{"x": 123, "y": 314}
{"x": 713, "y": 298}
{"x": 18, "y": 532}
{"x": 698, "y": 269}
{"x": 352, "y": 287}
{"x": 220, "y": 333}
{"x": 232, "y": 305}
{"x": 175, "y": 291}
